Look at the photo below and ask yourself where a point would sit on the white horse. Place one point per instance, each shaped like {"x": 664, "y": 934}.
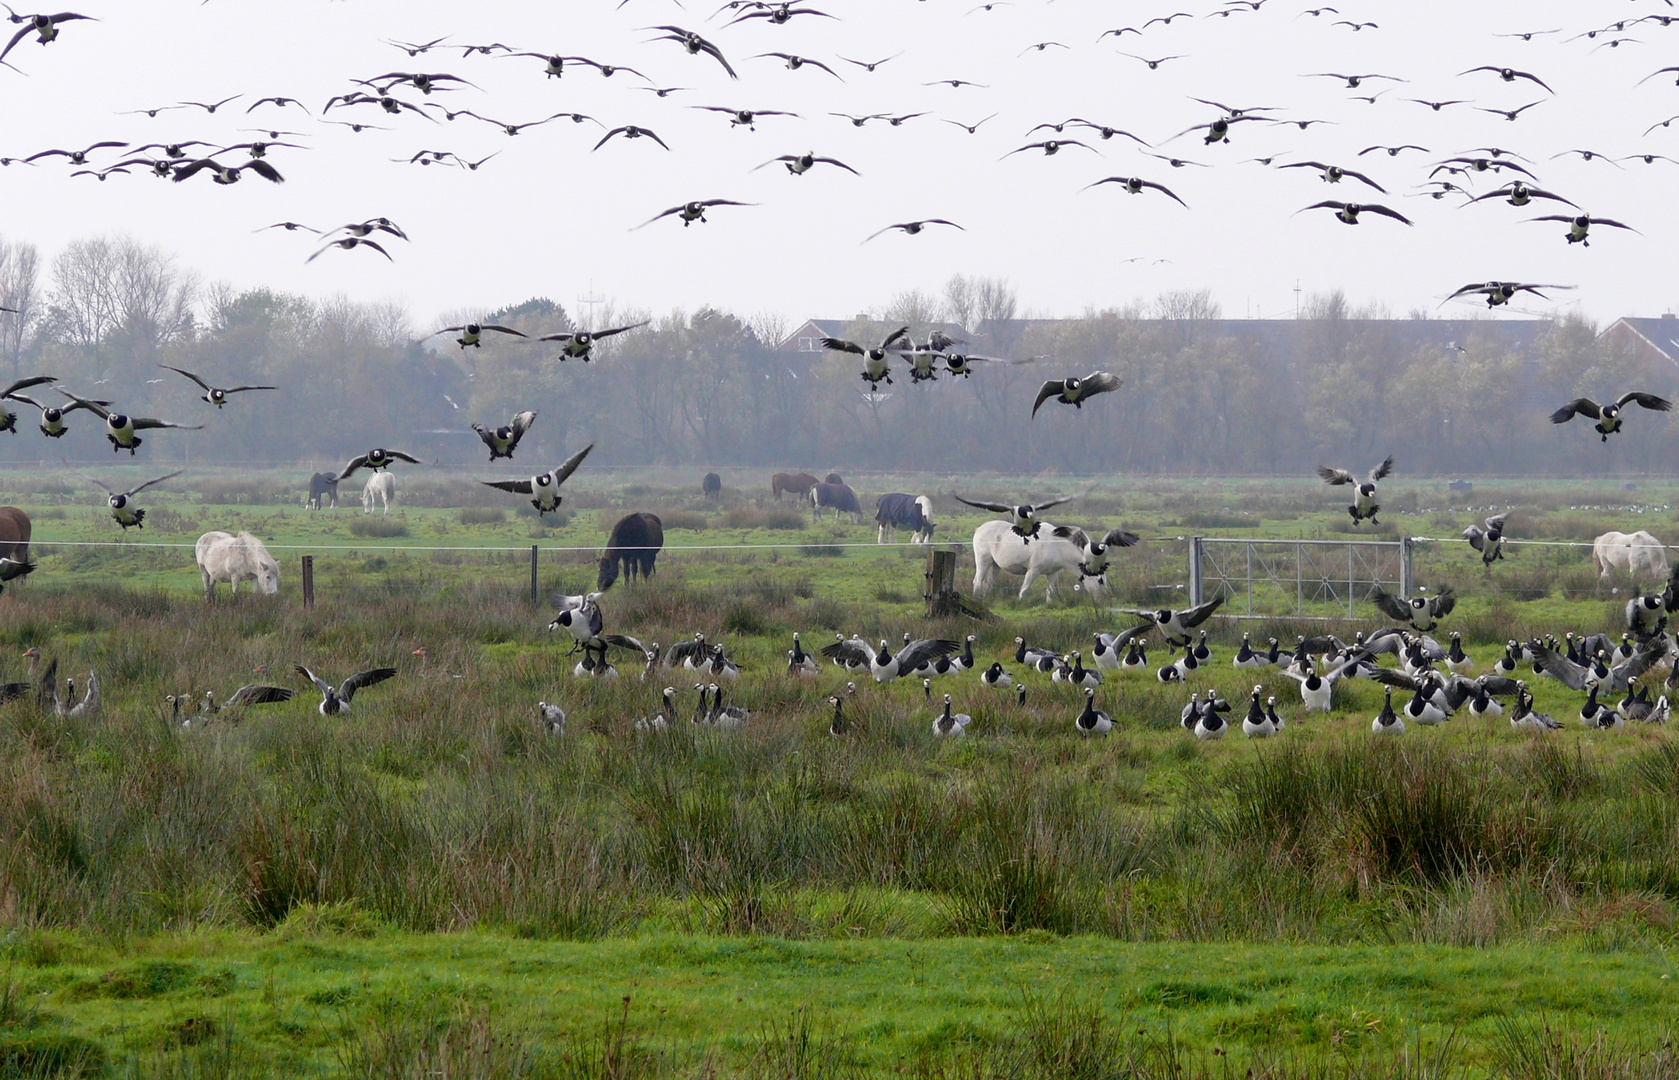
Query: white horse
{"x": 1057, "y": 548}
{"x": 1637, "y": 553}
{"x": 224, "y": 557}
{"x": 381, "y": 486}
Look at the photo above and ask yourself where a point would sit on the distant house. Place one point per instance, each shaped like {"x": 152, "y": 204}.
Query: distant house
{"x": 1656, "y": 339}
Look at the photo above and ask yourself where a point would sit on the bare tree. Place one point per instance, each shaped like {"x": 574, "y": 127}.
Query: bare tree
{"x": 19, "y": 272}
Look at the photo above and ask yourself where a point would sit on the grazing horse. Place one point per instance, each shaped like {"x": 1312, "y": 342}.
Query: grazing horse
{"x": 838, "y": 497}
{"x": 14, "y": 534}
{"x": 712, "y": 486}
{"x": 1637, "y": 553}
{"x": 223, "y": 557}
{"x": 798, "y": 484}
{"x": 633, "y": 547}
{"x": 323, "y": 488}
{"x": 381, "y": 486}
{"x": 896, "y": 510}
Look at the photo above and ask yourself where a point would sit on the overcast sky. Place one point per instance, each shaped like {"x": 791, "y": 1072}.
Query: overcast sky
{"x": 550, "y": 217}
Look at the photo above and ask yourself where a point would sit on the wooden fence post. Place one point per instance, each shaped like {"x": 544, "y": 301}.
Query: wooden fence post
{"x": 308, "y": 582}
{"x": 533, "y": 575}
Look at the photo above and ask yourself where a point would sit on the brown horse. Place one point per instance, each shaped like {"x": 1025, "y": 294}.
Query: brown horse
{"x": 14, "y": 534}
{"x": 797, "y": 483}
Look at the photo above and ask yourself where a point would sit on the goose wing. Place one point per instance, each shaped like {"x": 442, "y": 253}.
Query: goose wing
{"x": 995, "y": 508}
{"x": 370, "y": 677}
{"x": 564, "y": 472}
{"x": 24, "y": 384}
{"x": 1120, "y": 538}
{"x": 159, "y": 480}
{"x": 1476, "y": 536}
{"x": 1396, "y": 678}
{"x": 842, "y": 345}
{"x": 1583, "y": 406}
{"x": 850, "y": 653}
{"x": 1560, "y": 667}
{"x": 1648, "y": 656}
{"x": 355, "y": 463}
{"x": 1100, "y": 382}
{"x": 916, "y": 653}
{"x": 624, "y": 641}
{"x": 1200, "y": 613}
{"x": 1648, "y": 401}
{"x": 143, "y": 423}
{"x": 1126, "y": 637}
{"x": 517, "y": 487}
{"x": 12, "y": 691}
{"x": 1050, "y": 389}
{"x": 1443, "y": 603}
{"x": 1390, "y": 605}
{"x": 259, "y": 695}
{"x": 1381, "y": 471}
{"x": 522, "y": 422}
{"x": 1335, "y": 477}
{"x": 320, "y": 684}
{"x": 400, "y": 456}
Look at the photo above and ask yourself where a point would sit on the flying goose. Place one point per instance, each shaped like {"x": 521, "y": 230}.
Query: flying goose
{"x": 1075, "y": 391}
{"x": 376, "y": 459}
{"x": 1608, "y": 416}
{"x": 1136, "y": 185}
{"x": 794, "y": 62}
{"x": 1175, "y": 626}
{"x": 1502, "y": 292}
{"x": 799, "y": 164}
{"x": 746, "y": 118}
{"x": 8, "y": 419}
{"x": 876, "y": 361}
{"x": 335, "y": 700}
{"x": 1364, "y": 506}
{"x": 52, "y": 417}
{"x": 349, "y": 243}
{"x": 1422, "y": 612}
{"x": 472, "y": 334}
{"x": 694, "y": 44}
{"x": 631, "y": 131}
{"x": 1488, "y": 539}
{"x": 123, "y": 510}
{"x": 580, "y": 344}
{"x": 951, "y": 724}
{"x": 691, "y": 212}
{"x": 502, "y": 441}
{"x": 120, "y": 428}
{"x": 1510, "y": 75}
{"x": 212, "y": 394}
{"x": 44, "y": 27}
{"x": 1347, "y": 213}
{"x": 913, "y": 228}
{"x": 225, "y": 174}
{"x": 1580, "y": 225}
{"x": 1024, "y": 516}
{"x": 1333, "y": 174}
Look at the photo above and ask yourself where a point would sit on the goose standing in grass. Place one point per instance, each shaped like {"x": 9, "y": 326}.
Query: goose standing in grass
{"x": 1092, "y": 721}
{"x": 1317, "y": 691}
{"x": 1483, "y": 703}
{"x": 1079, "y": 675}
{"x": 964, "y": 662}
{"x": 853, "y": 655}
{"x": 1523, "y": 716}
{"x": 1209, "y": 723}
{"x": 552, "y": 718}
{"x": 335, "y": 700}
{"x": 725, "y": 717}
{"x": 1246, "y": 658}
{"x": 701, "y": 714}
{"x": 800, "y": 662}
{"x": 123, "y": 510}
{"x": 1364, "y": 506}
{"x": 1202, "y": 653}
{"x": 1511, "y": 661}
{"x": 1109, "y": 648}
{"x": 684, "y": 653}
{"x": 1042, "y": 660}
{"x": 1256, "y": 724}
{"x": 1660, "y": 711}
{"x": 838, "y": 727}
{"x": 951, "y": 724}
{"x": 995, "y": 677}
{"x": 660, "y": 720}
{"x": 1136, "y": 658}
{"x": 1595, "y": 714}
{"x": 1636, "y": 705}
{"x": 886, "y": 667}
{"x": 1457, "y": 661}
{"x": 1271, "y": 714}
{"x": 721, "y": 667}
{"x": 1387, "y": 721}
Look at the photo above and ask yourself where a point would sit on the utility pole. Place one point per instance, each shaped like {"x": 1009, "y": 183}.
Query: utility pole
{"x": 1296, "y": 298}
{"x": 589, "y": 300}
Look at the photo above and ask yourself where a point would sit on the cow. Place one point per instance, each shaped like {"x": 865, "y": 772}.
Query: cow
{"x": 633, "y": 547}
{"x": 224, "y": 557}
{"x": 798, "y": 483}
{"x": 896, "y": 510}
{"x": 14, "y": 534}
{"x": 712, "y": 486}
{"x": 323, "y": 488}
{"x": 837, "y": 496}
{"x": 1058, "y": 548}
{"x": 1637, "y": 553}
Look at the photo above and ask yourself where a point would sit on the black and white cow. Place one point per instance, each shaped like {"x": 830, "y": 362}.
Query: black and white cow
{"x": 896, "y": 510}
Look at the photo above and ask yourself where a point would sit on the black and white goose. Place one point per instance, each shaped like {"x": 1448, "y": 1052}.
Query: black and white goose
{"x": 725, "y": 717}
{"x": 1092, "y": 721}
{"x": 121, "y": 429}
{"x": 1608, "y": 416}
{"x": 1524, "y": 717}
{"x": 1387, "y": 721}
{"x": 1422, "y": 612}
{"x": 1595, "y": 714}
{"x": 1636, "y": 705}
{"x": 1175, "y": 626}
{"x": 1079, "y": 675}
{"x": 1076, "y": 391}
{"x": 8, "y": 419}
{"x": 1110, "y": 647}
{"x": 1041, "y": 660}
{"x": 995, "y": 677}
{"x": 721, "y": 667}
{"x": 1203, "y": 654}
{"x": 1613, "y": 677}
{"x": 1333, "y": 174}
{"x": 1347, "y": 213}
{"x": 877, "y": 366}
{"x": 503, "y": 440}
{"x": 1180, "y": 669}
{"x": 1457, "y": 661}
{"x": 44, "y": 27}
{"x": 950, "y": 725}
{"x": 123, "y": 510}
{"x": 800, "y": 662}
{"x": 52, "y": 416}
{"x": 1277, "y": 721}
{"x": 244, "y": 697}
{"x": 1136, "y": 657}
{"x": 886, "y": 666}
{"x": 1511, "y": 661}
{"x": 552, "y": 718}
{"x": 1024, "y": 516}
{"x": 799, "y": 164}
{"x": 1580, "y": 226}
{"x": 1257, "y": 725}
{"x": 1488, "y": 538}
{"x": 838, "y": 727}
{"x": 214, "y": 395}
{"x": 1136, "y": 185}
{"x": 1209, "y": 720}
{"x": 544, "y": 488}
{"x": 472, "y": 334}
{"x": 854, "y": 655}
{"x": 964, "y": 662}
{"x": 1317, "y": 691}
{"x": 335, "y": 700}
{"x": 1246, "y": 658}
{"x": 690, "y": 212}
{"x": 376, "y": 459}
{"x": 580, "y": 345}
{"x": 1364, "y": 506}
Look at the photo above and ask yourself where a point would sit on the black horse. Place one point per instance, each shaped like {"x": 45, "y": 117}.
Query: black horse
{"x": 633, "y": 548}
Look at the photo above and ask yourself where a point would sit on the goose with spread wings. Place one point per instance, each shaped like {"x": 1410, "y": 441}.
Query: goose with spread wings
{"x": 1608, "y": 416}
{"x": 376, "y": 459}
{"x": 120, "y": 428}
{"x": 1024, "y": 516}
{"x": 1175, "y": 626}
{"x": 472, "y": 334}
{"x": 543, "y": 488}
{"x": 123, "y": 510}
{"x": 52, "y": 416}
{"x": 1488, "y": 538}
{"x": 799, "y": 164}
{"x": 8, "y": 419}
{"x": 876, "y": 361}
{"x": 1347, "y": 213}
{"x": 1580, "y": 226}
{"x": 214, "y": 395}
{"x": 1334, "y": 174}
{"x": 691, "y": 212}
{"x": 580, "y": 344}
{"x": 695, "y": 45}
{"x": 1136, "y": 185}
{"x": 1075, "y": 391}
{"x": 1423, "y": 613}
{"x": 44, "y": 27}
{"x": 1364, "y": 506}
{"x": 1612, "y": 677}
{"x": 503, "y": 440}
{"x": 1502, "y": 292}
{"x": 335, "y": 700}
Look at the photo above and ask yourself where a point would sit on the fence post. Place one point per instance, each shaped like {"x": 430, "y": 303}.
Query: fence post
{"x": 1194, "y": 571}
{"x": 533, "y": 575}
{"x": 1405, "y": 566}
{"x": 308, "y": 582}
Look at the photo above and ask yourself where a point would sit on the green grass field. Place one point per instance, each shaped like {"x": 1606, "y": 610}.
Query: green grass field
{"x": 433, "y": 886}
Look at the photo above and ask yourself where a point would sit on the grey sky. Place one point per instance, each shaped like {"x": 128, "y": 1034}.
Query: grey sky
{"x": 549, "y": 217}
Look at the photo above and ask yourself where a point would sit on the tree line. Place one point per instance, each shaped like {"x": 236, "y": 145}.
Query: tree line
{"x": 710, "y": 388}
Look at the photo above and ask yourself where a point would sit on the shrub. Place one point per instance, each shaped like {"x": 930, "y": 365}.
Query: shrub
{"x": 368, "y": 527}
{"x": 684, "y": 519}
{"x": 481, "y": 515}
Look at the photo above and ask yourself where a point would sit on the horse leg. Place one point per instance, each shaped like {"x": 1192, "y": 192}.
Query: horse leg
{"x": 1031, "y": 576}
{"x": 209, "y": 586}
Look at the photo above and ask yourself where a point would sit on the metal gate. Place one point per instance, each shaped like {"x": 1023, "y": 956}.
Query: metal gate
{"x": 1299, "y": 579}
